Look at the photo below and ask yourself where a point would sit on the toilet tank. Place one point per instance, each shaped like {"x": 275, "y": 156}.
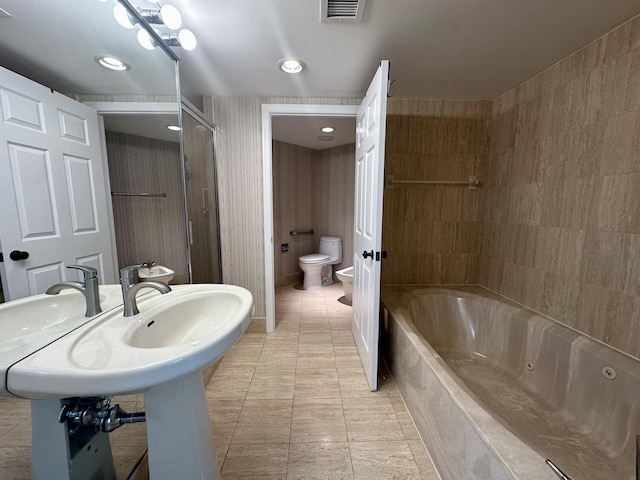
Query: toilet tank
{"x": 331, "y": 246}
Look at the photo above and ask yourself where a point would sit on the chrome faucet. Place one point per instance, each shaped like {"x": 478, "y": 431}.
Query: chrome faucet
{"x": 130, "y": 289}
{"x": 88, "y": 288}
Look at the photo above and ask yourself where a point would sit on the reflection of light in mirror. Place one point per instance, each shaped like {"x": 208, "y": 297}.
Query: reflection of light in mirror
{"x": 122, "y": 16}
{"x": 145, "y": 40}
{"x": 174, "y": 128}
{"x": 328, "y": 129}
{"x": 112, "y": 63}
{"x": 166, "y": 17}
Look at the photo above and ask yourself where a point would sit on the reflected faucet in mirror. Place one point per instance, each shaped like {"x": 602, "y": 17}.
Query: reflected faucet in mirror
{"x": 130, "y": 289}
{"x": 88, "y": 288}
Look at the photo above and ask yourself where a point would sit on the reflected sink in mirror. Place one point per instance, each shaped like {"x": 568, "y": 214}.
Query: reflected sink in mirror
{"x": 30, "y": 323}
{"x": 174, "y": 334}
{"x": 157, "y": 273}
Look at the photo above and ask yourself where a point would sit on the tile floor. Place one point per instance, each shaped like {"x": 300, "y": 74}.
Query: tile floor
{"x": 293, "y": 404}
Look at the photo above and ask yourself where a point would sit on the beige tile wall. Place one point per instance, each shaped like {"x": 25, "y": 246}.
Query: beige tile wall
{"x": 562, "y": 222}
{"x": 312, "y": 189}
{"x": 293, "y": 208}
{"x": 335, "y": 193}
{"x": 239, "y": 145}
{"x": 433, "y": 233}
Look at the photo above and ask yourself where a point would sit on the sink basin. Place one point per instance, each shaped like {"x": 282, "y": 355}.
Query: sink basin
{"x": 156, "y": 273}
{"x": 175, "y": 334}
{"x": 189, "y": 319}
{"x": 31, "y": 323}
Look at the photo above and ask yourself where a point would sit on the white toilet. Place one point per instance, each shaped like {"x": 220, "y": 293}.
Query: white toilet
{"x": 318, "y": 267}
{"x": 346, "y": 277}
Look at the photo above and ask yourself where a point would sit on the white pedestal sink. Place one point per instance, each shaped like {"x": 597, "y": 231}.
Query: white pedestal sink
{"x": 159, "y": 352}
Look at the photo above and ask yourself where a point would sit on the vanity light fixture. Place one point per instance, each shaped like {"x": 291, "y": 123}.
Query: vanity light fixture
{"x": 328, "y": 129}
{"x": 291, "y": 65}
{"x": 146, "y": 40}
{"x": 123, "y": 17}
{"x": 167, "y": 15}
{"x": 112, "y": 63}
{"x": 184, "y": 38}
{"x": 167, "y": 18}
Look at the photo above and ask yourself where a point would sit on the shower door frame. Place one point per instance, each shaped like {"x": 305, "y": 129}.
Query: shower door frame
{"x": 193, "y": 111}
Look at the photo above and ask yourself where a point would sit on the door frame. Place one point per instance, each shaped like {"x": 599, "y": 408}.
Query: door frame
{"x": 106, "y": 108}
{"x": 268, "y": 112}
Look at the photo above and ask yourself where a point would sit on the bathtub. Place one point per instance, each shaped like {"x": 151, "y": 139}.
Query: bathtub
{"x": 495, "y": 389}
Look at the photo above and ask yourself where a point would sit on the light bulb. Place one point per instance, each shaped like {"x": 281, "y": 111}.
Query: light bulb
{"x": 145, "y": 40}
{"x": 122, "y": 16}
{"x": 171, "y": 17}
{"x": 187, "y": 39}
{"x": 327, "y": 129}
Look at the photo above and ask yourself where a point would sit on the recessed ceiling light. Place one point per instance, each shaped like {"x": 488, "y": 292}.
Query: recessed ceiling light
{"x": 328, "y": 129}
{"x": 112, "y": 63}
{"x": 291, "y": 65}
{"x": 174, "y": 128}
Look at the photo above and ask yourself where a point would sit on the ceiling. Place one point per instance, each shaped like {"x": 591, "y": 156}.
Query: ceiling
{"x": 462, "y": 49}
{"x": 453, "y": 49}
{"x": 306, "y": 131}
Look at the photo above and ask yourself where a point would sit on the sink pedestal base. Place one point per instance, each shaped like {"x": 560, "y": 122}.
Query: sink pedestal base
{"x": 52, "y": 456}
{"x": 179, "y": 433}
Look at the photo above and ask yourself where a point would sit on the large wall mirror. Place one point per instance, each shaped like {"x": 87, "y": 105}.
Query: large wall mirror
{"x": 59, "y": 45}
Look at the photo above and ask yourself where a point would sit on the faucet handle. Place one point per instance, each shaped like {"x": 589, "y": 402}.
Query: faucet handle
{"x": 149, "y": 264}
{"x": 128, "y": 272}
{"x": 88, "y": 272}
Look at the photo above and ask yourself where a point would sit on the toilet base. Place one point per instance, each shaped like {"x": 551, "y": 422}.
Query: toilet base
{"x": 313, "y": 279}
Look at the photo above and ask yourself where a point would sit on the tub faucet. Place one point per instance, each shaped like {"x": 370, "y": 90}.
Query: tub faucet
{"x": 130, "y": 289}
{"x": 88, "y": 288}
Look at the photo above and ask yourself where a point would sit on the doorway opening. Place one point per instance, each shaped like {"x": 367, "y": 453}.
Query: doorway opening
{"x": 284, "y": 113}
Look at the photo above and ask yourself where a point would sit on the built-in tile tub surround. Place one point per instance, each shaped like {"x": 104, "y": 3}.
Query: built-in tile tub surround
{"x": 495, "y": 389}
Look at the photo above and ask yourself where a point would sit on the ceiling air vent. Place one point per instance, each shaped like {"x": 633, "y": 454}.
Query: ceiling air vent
{"x": 347, "y": 11}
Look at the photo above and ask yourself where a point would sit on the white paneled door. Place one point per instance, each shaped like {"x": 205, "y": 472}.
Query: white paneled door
{"x": 53, "y": 193}
{"x": 370, "y": 135}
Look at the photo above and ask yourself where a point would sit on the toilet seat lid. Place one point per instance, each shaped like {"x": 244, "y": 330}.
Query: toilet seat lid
{"x": 314, "y": 258}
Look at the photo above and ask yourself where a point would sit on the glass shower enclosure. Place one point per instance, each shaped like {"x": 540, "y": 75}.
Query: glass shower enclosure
{"x": 200, "y": 182}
